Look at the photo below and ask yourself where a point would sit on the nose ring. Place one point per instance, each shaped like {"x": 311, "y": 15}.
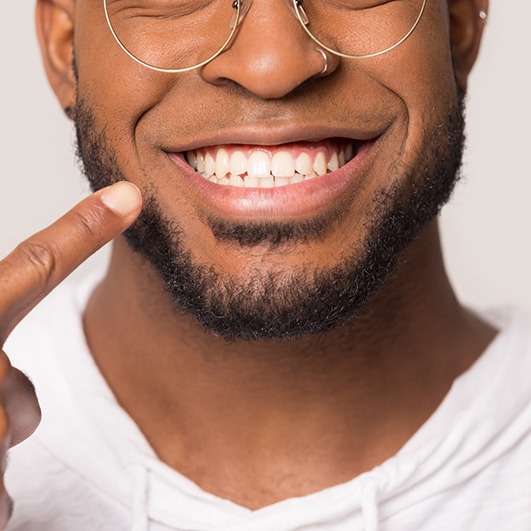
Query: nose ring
{"x": 325, "y": 57}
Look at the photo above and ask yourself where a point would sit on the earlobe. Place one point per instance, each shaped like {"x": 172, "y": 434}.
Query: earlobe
{"x": 55, "y": 30}
{"x": 467, "y": 21}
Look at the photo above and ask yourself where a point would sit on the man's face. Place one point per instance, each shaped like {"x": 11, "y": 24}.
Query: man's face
{"x": 294, "y": 259}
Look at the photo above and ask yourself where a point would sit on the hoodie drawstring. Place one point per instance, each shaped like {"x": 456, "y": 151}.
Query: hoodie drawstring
{"x": 369, "y": 505}
{"x": 139, "y": 497}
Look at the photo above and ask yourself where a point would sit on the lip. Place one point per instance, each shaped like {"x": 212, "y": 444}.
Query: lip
{"x": 294, "y": 201}
{"x": 273, "y": 134}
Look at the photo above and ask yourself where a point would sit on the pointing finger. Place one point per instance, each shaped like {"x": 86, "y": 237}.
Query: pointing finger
{"x": 40, "y": 263}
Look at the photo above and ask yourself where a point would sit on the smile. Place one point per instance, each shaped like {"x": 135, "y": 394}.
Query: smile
{"x": 296, "y": 179}
{"x": 247, "y": 166}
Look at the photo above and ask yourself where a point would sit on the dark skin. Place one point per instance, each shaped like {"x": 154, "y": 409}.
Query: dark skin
{"x": 28, "y": 274}
{"x": 258, "y": 422}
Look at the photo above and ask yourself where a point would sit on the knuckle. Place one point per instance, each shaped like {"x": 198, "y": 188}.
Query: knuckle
{"x": 41, "y": 258}
{"x": 26, "y": 411}
{"x": 89, "y": 222}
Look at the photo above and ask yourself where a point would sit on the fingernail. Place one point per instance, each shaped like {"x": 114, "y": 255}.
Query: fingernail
{"x": 123, "y": 197}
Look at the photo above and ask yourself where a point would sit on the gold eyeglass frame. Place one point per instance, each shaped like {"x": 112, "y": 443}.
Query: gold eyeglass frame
{"x": 241, "y": 10}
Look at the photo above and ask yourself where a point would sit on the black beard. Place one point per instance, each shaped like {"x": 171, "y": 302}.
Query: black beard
{"x": 278, "y": 304}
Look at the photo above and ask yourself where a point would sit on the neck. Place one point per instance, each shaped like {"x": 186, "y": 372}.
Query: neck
{"x": 299, "y": 415}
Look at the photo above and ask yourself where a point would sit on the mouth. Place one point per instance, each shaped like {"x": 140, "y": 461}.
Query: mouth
{"x": 291, "y": 180}
{"x": 247, "y": 166}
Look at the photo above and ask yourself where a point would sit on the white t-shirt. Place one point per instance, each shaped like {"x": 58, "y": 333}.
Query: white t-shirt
{"x": 88, "y": 467}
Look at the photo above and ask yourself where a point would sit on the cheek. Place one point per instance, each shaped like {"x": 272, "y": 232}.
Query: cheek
{"x": 419, "y": 77}
{"x": 431, "y": 82}
{"x": 113, "y": 86}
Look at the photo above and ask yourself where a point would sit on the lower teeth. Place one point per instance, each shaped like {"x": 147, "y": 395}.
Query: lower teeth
{"x": 258, "y": 182}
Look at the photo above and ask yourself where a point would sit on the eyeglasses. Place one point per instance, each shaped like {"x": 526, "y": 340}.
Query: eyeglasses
{"x": 176, "y": 36}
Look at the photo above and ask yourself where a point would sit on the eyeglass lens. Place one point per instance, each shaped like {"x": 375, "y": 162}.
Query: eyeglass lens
{"x": 179, "y": 34}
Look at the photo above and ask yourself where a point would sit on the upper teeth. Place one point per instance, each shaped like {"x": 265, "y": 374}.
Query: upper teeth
{"x": 261, "y": 167}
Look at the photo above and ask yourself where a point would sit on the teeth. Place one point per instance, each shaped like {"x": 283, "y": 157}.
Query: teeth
{"x": 238, "y": 163}
{"x": 282, "y": 164}
{"x": 222, "y": 163}
{"x": 259, "y": 165}
{"x": 258, "y": 169}
{"x": 251, "y": 182}
{"x": 210, "y": 165}
{"x": 235, "y": 180}
{"x": 303, "y": 164}
{"x": 349, "y": 152}
{"x": 191, "y": 158}
{"x": 282, "y": 181}
{"x": 319, "y": 164}
{"x": 267, "y": 182}
{"x": 341, "y": 159}
{"x": 333, "y": 163}
{"x": 200, "y": 163}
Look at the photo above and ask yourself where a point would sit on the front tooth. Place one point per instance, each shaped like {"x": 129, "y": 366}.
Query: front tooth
{"x": 238, "y": 163}
{"x": 297, "y": 178}
{"x": 235, "y": 180}
{"x": 267, "y": 182}
{"x": 349, "y": 152}
{"x": 222, "y": 163}
{"x": 210, "y": 165}
{"x": 282, "y": 181}
{"x": 200, "y": 163}
{"x": 282, "y": 164}
{"x": 319, "y": 164}
{"x": 333, "y": 163}
{"x": 303, "y": 164}
{"x": 192, "y": 159}
{"x": 251, "y": 182}
{"x": 259, "y": 165}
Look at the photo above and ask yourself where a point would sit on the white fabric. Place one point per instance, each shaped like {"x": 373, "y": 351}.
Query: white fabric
{"x": 89, "y": 468}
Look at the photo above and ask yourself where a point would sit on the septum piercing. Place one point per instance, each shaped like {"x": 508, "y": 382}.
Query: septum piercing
{"x": 325, "y": 57}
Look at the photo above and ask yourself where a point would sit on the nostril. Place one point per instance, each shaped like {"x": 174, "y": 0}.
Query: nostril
{"x": 267, "y": 70}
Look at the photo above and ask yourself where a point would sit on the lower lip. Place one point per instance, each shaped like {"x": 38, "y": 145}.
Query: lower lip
{"x": 297, "y": 200}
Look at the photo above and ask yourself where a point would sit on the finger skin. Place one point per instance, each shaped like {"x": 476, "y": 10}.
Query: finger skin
{"x": 18, "y": 403}
{"x": 40, "y": 263}
{"x": 6, "y": 504}
{"x": 27, "y": 275}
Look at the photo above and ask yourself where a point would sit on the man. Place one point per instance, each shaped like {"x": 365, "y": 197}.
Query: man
{"x": 275, "y": 344}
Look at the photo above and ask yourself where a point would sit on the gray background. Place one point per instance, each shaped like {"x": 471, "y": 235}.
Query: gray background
{"x": 485, "y": 228}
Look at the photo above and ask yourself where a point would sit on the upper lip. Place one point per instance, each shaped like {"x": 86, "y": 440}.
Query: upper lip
{"x": 272, "y": 134}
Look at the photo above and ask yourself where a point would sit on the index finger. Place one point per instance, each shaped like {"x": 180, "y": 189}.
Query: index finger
{"x": 41, "y": 262}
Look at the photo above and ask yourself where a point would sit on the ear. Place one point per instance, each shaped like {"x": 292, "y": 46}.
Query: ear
{"x": 55, "y": 30}
{"x": 467, "y": 21}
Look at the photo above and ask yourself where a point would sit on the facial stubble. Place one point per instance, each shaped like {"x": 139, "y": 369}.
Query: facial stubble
{"x": 277, "y": 304}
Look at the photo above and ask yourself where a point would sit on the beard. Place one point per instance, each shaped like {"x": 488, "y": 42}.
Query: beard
{"x": 273, "y": 305}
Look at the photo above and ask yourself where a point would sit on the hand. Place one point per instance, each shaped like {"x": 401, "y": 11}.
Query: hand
{"x": 28, "y": 274}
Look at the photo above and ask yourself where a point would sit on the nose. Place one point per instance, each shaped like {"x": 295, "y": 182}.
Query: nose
{"x": 271, "y": 55}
